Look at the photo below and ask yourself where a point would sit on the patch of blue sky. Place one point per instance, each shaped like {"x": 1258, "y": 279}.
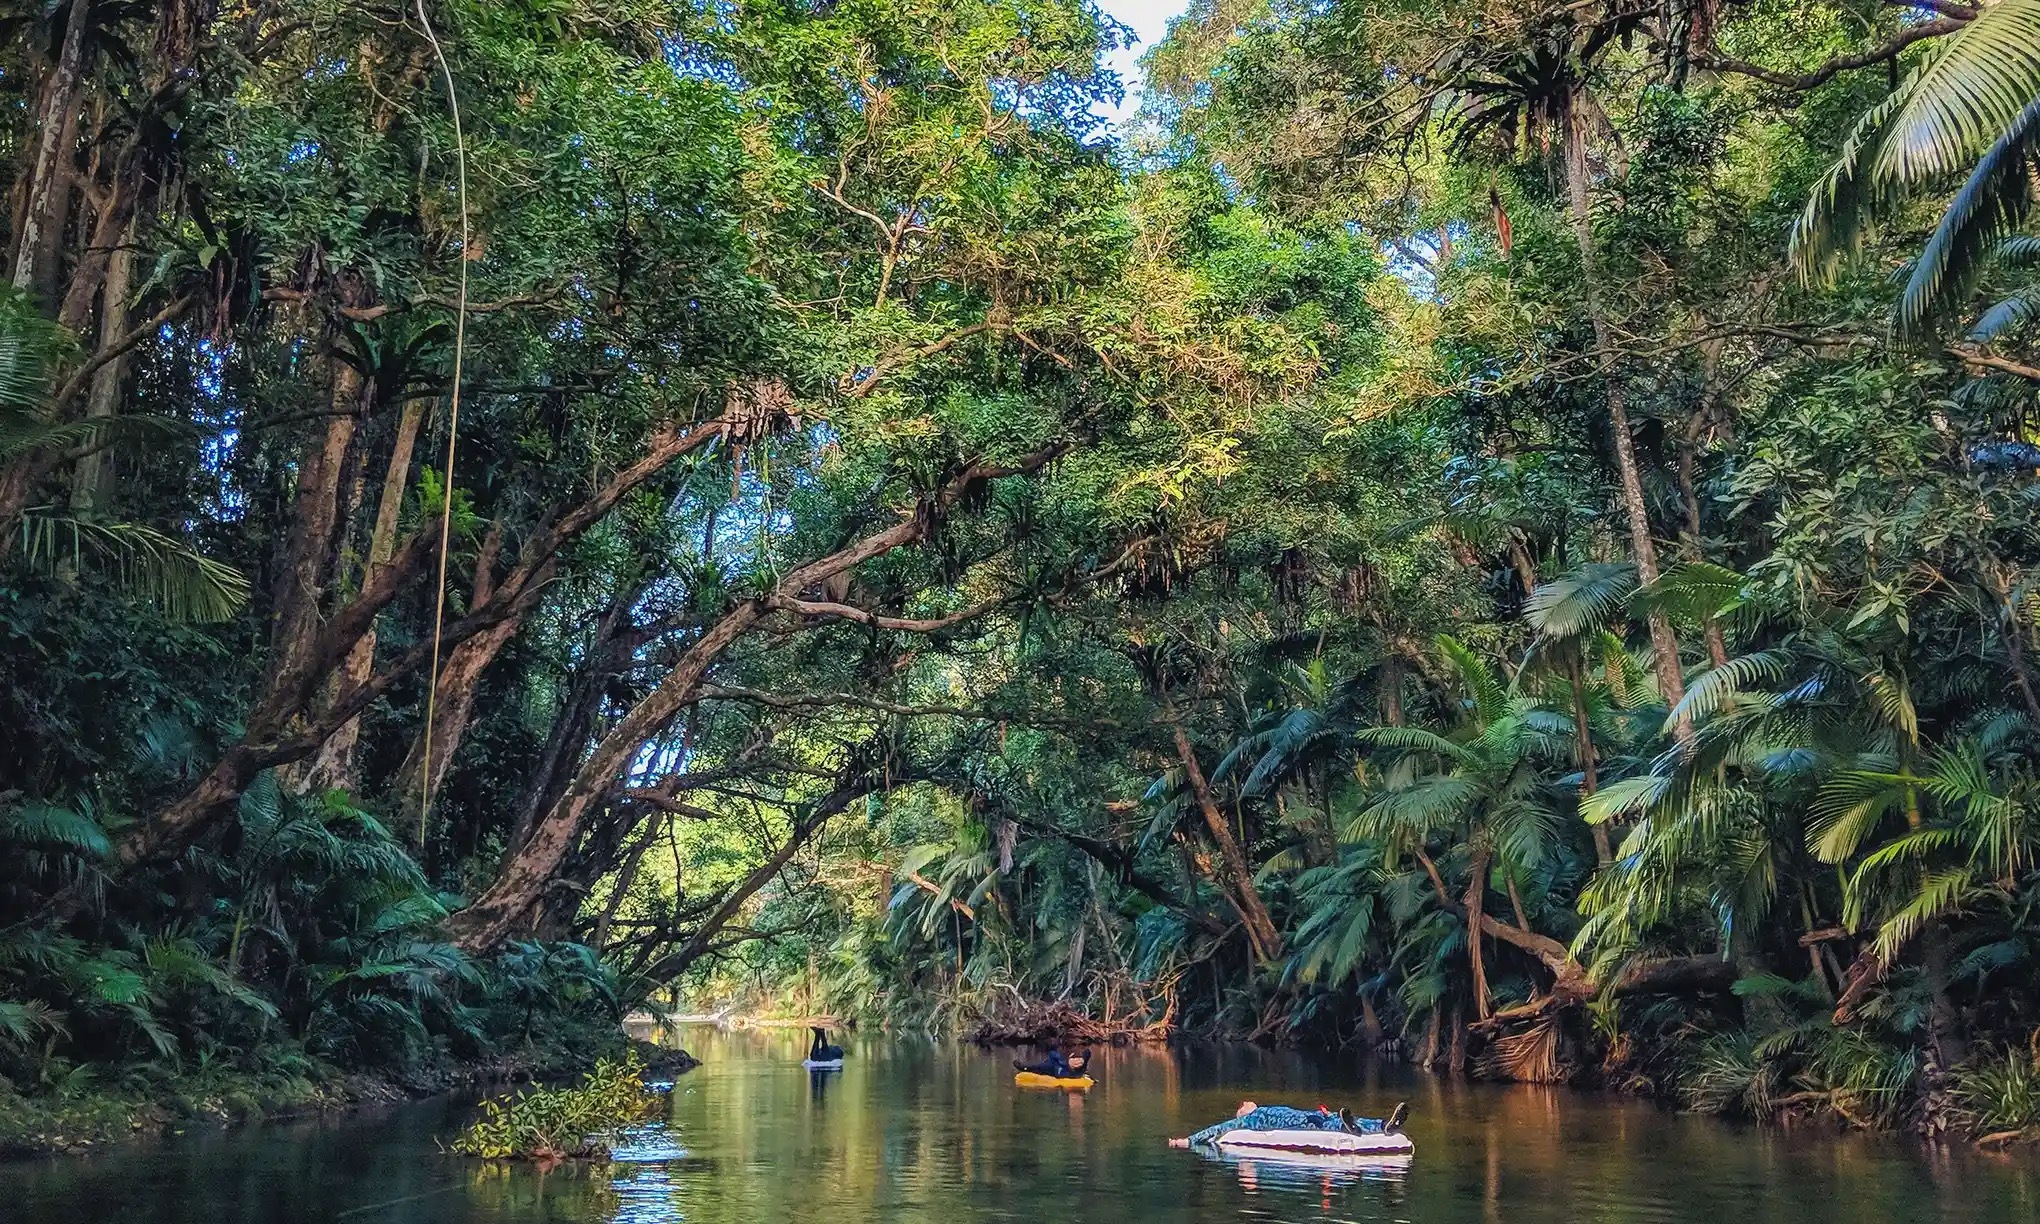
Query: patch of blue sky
{"x": 1149, "y": 21}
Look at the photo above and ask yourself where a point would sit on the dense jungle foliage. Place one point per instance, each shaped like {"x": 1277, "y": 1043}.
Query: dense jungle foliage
{"x": 1500, "y": 530}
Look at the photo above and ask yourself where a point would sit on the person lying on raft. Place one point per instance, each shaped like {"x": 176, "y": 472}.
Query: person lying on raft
{"x": 1254, "y": 1117}
{"x": 819, "y": 1050}
{"x": 1056, "y": 1064}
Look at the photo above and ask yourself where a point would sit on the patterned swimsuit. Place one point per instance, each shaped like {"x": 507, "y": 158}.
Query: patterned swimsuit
{"x": 1283, "y": 1117}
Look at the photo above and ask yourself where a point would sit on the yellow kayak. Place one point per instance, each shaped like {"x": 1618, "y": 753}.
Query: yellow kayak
{"x": 1034, "y": 1079}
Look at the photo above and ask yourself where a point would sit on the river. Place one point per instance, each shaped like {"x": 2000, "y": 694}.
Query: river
{"x": 937, "y": 1133}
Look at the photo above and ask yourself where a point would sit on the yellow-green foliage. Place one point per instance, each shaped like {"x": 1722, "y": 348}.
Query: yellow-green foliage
{"x": 553, "y": 1123}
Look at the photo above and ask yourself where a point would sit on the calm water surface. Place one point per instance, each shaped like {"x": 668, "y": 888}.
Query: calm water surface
{"x": 917, "y": 1132}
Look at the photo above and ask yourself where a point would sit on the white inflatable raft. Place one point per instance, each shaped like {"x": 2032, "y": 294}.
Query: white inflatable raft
{"x": 1315, "y": 1142}
{"x": 833, "y": 1064}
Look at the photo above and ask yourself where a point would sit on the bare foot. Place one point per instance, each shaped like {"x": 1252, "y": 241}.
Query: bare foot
{"x": 1179, "y": 1143}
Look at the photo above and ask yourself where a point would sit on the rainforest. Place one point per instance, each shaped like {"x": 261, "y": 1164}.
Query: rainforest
{"x": 1500, "y": 533}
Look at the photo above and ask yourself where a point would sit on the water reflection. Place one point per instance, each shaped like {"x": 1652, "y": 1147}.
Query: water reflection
{"x": 915, "y": 1132}
{"x": 1323, "y": 1177}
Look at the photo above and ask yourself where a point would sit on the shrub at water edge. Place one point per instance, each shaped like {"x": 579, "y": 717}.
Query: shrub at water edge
{"x": 542, "y": 1123}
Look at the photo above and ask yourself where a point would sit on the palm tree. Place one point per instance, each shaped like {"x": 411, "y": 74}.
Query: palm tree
{"x": 1971, "y": 111}
{"x": 1485, "y": 785}
{"x": 1310, "y": 743}
{"x": 1571, "y": 615}
{"x": 1969, "y": 837}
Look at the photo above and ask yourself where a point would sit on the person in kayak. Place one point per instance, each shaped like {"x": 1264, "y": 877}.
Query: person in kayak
{"x": 819, "y": 1050}
{"x": 1057, "y": 1064}
{"x": 1254, "y": 1117}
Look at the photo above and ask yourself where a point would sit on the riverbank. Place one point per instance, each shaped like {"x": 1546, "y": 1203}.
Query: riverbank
{"x": 99, "y": 1108}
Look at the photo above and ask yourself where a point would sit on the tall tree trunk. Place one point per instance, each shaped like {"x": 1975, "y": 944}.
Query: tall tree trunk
{"x": 110, "y": 231}
{"x": 1476, "y": 906}
{"x": 311, "y": 550}
{"x": 46, "y": 187}
{"x": 132, "y": 176}
{"x": 1392, "y": 671}
{"x": 1664, "y": 644}
{"x": 457, "y": 681}
{"x": 572, "y": 729}
{"x": 1261, "y": 930}
{"x": 1583, "y": 744}
{"x": 334, "y": 764}
{"x": 290, "y": 691}
{"x": 500, "y": 911}
{"x": 88, "y": 484}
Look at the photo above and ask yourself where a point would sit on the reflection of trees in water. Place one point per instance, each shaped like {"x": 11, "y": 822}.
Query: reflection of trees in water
{"x": 931, "y": 1133}
{"x": 1323, "y": 1175}
{"x": 571, "y": 1190}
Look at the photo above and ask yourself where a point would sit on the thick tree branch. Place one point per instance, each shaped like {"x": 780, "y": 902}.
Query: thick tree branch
{"x": 1987, "y": 361}
{"x": 1800, "y": 81}
{"x": 81, "y": 377}
{"x": 807, "y": 607}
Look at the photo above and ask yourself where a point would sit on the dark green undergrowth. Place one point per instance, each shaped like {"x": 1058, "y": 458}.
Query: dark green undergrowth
{"x": 294, "y": 963}
{"x": 97, "y": 1104}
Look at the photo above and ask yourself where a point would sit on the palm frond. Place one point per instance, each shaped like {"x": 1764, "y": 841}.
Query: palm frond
{"x": 1893, "y": 697}
{"x": 1627, "y": 797}
{"x": 1582, "y": 601}
{"x": 1695, "y": 591}
{"x": 1939, "y": 894}
{"x": 1837, "y": 213}
{"x": 141, "y": 561}
{"x": 1973, "y": 108}
{"x": 21, "y": 1023}
{"x": 25, "y": 434}
{"x": 1965, "y": 96}
{"x": 29, "y": 346}
{"x": 1414, "y": 739}
{"x": 2006, "y": 317}
{"x": 1914, "y": 847}
{"x": 2021, "y": 252}
{"x": 53, "y": 824}
{"x": 1488, "y": 696}
{"x": 1716, "y": 687}
{"x": 1433, "y": 803}
{"x": 1990, "y": 205}
{"x": 1849, "y": 807}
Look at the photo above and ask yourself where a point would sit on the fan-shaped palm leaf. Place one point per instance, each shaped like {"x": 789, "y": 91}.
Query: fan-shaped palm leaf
{"x": 1696, "y": 591}
{"x": 52, "y": 824}
{"x": 1581, "y": 601}
{"x": 1487, "y": 694}
{"x": 1715, "y": 688}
